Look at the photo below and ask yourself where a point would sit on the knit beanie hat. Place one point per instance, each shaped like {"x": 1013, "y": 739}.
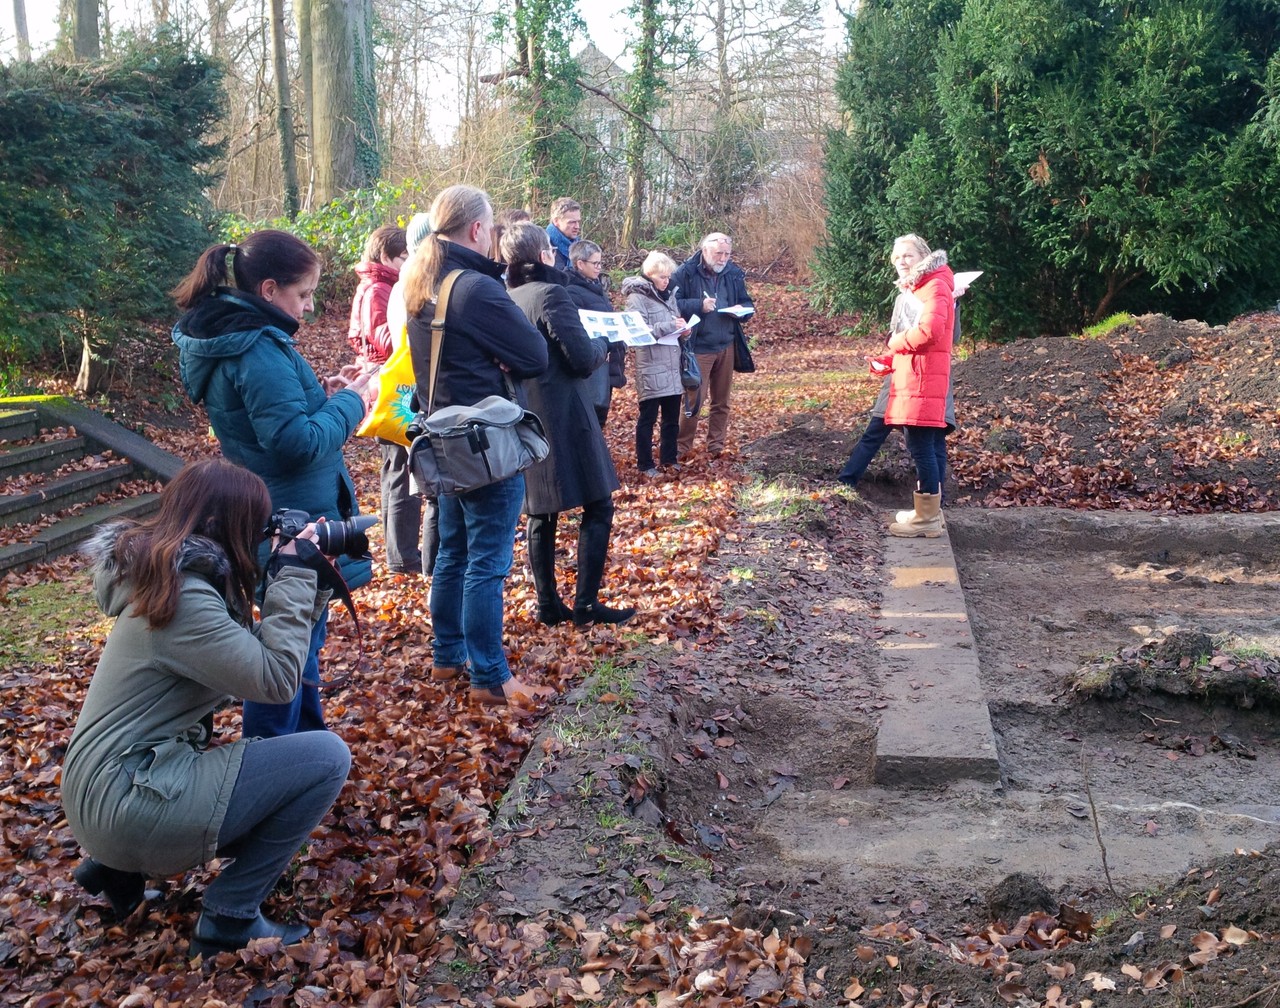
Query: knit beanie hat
{"x": 418, "y": 229}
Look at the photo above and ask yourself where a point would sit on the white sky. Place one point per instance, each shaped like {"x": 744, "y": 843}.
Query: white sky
{"x": 604, "y": 24}
{"x": 42, "y": 18}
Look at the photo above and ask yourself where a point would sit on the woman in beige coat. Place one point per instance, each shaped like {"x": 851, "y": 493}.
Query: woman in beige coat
{"x": 142, "y": 794}
{"x": 658, "y": 385}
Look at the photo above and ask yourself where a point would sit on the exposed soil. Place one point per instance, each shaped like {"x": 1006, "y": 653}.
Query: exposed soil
{"x": 1130, "y": 846}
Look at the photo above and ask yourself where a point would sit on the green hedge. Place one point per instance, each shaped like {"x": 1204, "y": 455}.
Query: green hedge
{"x": 103, "y": 172}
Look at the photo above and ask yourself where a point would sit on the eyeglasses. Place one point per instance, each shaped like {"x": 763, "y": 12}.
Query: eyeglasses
{"x": 597, "y": 263}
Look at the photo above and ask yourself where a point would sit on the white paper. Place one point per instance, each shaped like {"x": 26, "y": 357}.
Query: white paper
{"x": 964, "y": 279}
{"x": 671, "y": 339}
{"x": 617, "y": 327}
{"x": 737, "y": 311}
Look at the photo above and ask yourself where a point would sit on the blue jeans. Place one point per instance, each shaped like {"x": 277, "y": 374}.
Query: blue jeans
{"x": 477, "y": 542}
{"x": 928, "y": 449}
{"x": 302, "y": 713}
{"x": 864, "y": 451}
{"x": 285, "y": 787}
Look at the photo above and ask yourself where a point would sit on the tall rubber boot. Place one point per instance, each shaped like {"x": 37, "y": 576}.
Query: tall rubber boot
{"x": 904, "y": 517}
{"x": 925, "y": 520}
{"x": 593, "y": 549}
{"x": 542, "y": 564}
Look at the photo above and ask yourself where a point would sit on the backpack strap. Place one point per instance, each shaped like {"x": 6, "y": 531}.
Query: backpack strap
{"x": 437, "y": 334}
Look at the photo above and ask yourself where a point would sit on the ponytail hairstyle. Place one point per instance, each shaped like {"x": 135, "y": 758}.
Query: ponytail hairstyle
{"x": 522, "y": 248}
{"x": 452, "y": 214}
{"x": 262, "y": 256}
{"x": 211, "y": 498}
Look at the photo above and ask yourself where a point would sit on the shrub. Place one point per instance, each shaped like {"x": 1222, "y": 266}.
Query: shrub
{"x": 102, "y": 180}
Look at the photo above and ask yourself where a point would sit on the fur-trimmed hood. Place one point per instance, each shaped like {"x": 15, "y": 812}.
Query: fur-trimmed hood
{"x": 199, "y": 555}
{"x": 931, "y": 263}
{"x": 643, "y": 285}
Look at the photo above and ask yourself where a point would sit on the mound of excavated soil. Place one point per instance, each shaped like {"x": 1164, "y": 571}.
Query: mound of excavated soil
{"x": 1157, "y": 415}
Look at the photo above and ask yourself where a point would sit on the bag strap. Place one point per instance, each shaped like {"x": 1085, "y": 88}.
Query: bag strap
{"x": 437, "y": 334}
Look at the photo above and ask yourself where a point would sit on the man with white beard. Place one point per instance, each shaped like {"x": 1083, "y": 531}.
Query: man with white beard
{"x": 706, "y": 284}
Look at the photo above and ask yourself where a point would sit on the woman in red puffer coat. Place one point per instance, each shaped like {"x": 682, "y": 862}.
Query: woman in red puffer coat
{"x": 920, "y": 377}
{"x": 368, "y": 333}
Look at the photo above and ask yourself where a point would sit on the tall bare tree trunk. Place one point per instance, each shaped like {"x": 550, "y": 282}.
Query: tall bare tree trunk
{"x": 333, "y": 141}
{"x": 642, "y": 99}
{"x": 218, "y": 27}
{"x": 306, "y": 74}
{"x": 78, "y": 35}
{"x": 20, "y": 30}
{"x": 284, "y": 111}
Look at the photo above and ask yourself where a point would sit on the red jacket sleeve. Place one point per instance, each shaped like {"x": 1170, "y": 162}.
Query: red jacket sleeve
{"x": 375, "y": 325}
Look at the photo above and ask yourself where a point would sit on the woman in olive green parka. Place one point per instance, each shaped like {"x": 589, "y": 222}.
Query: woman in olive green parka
{"x": 142, "y": 794}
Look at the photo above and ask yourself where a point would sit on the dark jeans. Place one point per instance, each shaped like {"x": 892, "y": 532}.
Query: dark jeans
{"x": 285, "y": 787}
{"x": 669, "y": 406}
{"x": 864, "y": 451}
{"x": 928, "y": 449}
{"x": 302, "y": 713}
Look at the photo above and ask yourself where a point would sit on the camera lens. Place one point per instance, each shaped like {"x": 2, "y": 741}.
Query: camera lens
{"x": 345, "y": 537}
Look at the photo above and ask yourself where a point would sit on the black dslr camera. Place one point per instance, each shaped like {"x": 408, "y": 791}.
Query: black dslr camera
{"x": 333, "y": 538}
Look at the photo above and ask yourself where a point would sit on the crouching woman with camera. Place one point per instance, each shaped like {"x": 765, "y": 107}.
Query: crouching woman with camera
{"x": 141, "y": 794}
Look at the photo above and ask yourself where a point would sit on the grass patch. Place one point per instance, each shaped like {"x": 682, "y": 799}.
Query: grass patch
{"x": 763, "y": 501}
{"x": 1100, "y": 330}
{"x": 610, "y": 676}
{"x": 38, "y": 621}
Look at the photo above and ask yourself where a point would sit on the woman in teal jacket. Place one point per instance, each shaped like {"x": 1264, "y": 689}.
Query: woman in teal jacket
{"x": 270, "y": 412}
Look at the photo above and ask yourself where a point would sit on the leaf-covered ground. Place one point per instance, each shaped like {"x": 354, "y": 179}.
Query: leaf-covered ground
{"x": 1160, "y": 415}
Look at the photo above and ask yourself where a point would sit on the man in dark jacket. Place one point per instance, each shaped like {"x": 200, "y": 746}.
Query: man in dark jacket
{"x": 586, "y": 290}
{"x": 710, "y": 286}
{"x": 487, "y": 344}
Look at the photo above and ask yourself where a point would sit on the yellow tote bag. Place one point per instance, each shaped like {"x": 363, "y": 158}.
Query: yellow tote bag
{"x": 391, "y": 414}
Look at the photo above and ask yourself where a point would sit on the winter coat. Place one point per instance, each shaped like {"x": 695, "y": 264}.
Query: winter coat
{"x": 368, "y": 332}
{"x": 906, "y": 311}
{"x": 139, "y": 792}
{"x": 691, "y": 282}
{"x": 589, "y": 295}
{"x": 268, "y": 408}
{"x": 483, "y": 331}
{"x": 921, "y": 373}
{"x": 579, "y": 468}
{"x": 657, "y": 366}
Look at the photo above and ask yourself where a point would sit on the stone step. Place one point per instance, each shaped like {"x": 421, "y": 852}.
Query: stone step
{"x": 68, "y": 534}
{"x": 60, "y": 494}
{"x": 936, "y": 727}
{"x": 18, "y": 424}
{"x": 41, "y": 457}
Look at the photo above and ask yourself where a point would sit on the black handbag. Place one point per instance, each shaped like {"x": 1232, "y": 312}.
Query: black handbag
{"x": 457, "y": 449}
{"x": 690, "y": 378}
{"x": 742, "y": 362}
{"x": 690, "y": 373}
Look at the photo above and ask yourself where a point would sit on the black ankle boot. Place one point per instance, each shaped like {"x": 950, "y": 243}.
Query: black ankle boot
{"x": 597, "y": 613}
{"x": 556, "y": 612}
{"x": 218, "y": 933}
{"x": 124, "y": 890}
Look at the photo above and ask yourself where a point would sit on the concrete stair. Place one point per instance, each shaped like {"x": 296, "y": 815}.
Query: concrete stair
{"x": 28, "y": 502}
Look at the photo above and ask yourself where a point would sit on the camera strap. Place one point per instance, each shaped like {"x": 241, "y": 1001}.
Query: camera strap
{"x": 327, "y": 577}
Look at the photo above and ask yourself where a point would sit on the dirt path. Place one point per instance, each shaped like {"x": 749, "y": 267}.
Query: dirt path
{"x": 738, "y": 777}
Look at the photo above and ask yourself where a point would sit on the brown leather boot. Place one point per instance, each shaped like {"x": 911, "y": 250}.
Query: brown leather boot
{"x": 925, "y": 520}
